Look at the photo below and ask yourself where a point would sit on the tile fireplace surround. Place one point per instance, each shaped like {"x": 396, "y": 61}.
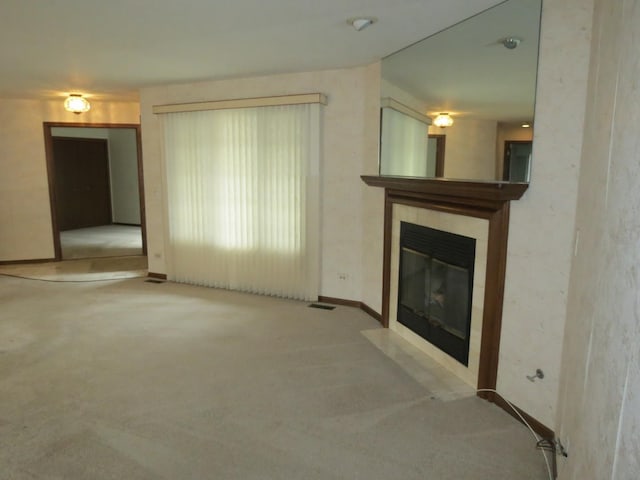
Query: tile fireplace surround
{"x": 476, "y": 228}
{"x": 476, "y": 209}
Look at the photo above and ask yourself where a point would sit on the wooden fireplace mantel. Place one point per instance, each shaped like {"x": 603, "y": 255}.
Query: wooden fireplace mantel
{"x": 487, "y": 200}
{"x": 466, "y": 192}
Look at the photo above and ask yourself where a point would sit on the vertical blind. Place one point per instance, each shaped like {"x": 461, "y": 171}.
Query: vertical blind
{"x": 243, "y": 199}
{"x": 403, "y": 145}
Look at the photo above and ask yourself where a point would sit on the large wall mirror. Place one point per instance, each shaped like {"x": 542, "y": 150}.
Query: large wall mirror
{"x": 482, "y": 73}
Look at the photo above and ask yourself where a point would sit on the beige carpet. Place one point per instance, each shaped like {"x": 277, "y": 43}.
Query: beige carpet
{"x": 82, "y": 270}
{"x": 132, "y": 380}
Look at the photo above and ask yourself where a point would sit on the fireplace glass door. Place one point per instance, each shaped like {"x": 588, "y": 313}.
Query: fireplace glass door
{"x": 434, "y": 298}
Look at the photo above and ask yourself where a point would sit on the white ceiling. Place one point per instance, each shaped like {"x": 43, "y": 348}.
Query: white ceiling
{"x": 108, "y": 49}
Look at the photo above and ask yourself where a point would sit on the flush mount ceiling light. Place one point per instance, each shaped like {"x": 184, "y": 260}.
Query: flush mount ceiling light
{"x": 511, "y": 42}
{"x": 443, "y": 120}
{"x": 526, "y": 125}
{"x": 76, "y": 103}
{"x": 360, "y": 23}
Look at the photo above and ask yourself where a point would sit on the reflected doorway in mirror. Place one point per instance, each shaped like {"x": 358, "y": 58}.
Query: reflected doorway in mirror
{"x": 435, "y": 155}
{"x": 517, "y": 160}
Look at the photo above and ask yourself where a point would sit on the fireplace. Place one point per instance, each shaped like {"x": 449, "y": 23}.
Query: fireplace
{"x": 478, "y": 211}
{"x": 435, "y": 287}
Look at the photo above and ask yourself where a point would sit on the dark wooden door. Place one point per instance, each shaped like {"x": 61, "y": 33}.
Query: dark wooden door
{"x": 83, "y": 194}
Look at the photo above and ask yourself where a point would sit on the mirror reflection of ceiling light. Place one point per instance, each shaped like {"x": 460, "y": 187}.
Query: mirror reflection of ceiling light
{"x": 76, "y": 103}
{"x": 360, "y": 23}
{"x": 443, "y": 120}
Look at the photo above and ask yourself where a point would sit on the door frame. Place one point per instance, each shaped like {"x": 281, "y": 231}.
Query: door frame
{"x": 48, "y": 148}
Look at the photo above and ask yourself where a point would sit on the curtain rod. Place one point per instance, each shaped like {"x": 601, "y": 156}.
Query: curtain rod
{"x": 242, "y": 103}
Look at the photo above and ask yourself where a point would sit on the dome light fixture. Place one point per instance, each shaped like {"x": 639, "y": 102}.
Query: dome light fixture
{"x": 511, "y": 43}
{"x": 443, "y": 120}
{"x": 360, "y": 23}
{"x": 77, "y": 104}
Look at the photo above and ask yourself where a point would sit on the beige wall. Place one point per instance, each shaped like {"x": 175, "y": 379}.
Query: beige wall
{"x": 123, "y": 167}
{"x": 542, "y": 222}
{"x": 349, "y": 149}
{"x": 470, "y": 149}
{"x": 80, "y": 132}
{"x": 25, "y": 215}
{"x": 599, "y": 404}
{"x": 372, "y": 202}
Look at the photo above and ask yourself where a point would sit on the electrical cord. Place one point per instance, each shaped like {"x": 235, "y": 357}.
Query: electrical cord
{"x": 68, "y": 281}
{"x": 539, "y": 441}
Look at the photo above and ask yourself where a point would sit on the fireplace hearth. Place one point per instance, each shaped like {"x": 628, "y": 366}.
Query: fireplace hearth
{"x": 435, "y": 287}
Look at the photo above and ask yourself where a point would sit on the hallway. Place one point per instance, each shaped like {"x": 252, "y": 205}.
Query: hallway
{"x": 103, "y": 241}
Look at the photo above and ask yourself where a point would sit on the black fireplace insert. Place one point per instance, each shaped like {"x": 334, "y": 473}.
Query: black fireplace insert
{"x": 435, "y": 288}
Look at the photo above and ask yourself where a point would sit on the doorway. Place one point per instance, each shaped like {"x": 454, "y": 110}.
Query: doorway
{"x": 95, "y": 189}
{"x": 82, "y": 186}
{"x": 435, "y": 155}
{"x": 517, "y": 160}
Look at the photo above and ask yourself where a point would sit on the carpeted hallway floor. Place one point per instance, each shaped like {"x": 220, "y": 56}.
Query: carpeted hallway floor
{"x": 103, "y": 241}
{"x": 133, "y": 380}
{"x": 82, "y": 270}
